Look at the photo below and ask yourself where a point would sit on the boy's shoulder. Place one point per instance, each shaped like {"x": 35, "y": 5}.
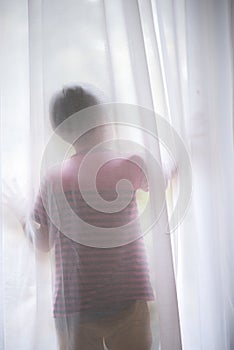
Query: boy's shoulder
{"x": 51, "y": 173}
{"x": 65, "y": 168}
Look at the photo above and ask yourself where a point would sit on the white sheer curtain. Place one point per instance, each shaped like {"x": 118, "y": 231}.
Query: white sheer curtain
{"x": 211, "y": 136}
{"x": 171, "y": 56}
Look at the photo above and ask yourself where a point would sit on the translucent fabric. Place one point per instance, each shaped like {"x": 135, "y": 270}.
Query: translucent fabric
{"x": 166, "y": 69}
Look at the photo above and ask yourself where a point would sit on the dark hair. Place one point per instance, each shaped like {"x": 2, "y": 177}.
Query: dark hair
{"x": 73, "y": 99}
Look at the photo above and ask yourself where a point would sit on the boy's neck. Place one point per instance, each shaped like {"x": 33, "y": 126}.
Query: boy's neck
{"x": 94, "y": 140}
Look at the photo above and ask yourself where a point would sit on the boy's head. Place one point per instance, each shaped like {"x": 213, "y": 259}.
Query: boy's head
{"x": 73, "y": 99}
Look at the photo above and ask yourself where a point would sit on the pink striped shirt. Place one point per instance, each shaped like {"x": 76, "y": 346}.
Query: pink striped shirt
{"x": 87, "y": 277}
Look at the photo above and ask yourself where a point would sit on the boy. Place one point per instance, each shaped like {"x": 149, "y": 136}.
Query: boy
{"x": 100, "y": 294}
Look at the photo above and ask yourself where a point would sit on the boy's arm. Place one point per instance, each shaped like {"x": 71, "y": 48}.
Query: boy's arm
{"x": 169, "y": 170}
{"x": 37, "y": 234}
{"x": 39, "y": 224}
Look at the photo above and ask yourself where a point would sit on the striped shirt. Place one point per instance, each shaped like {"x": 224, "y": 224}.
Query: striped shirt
{"x": 95, "y": 267}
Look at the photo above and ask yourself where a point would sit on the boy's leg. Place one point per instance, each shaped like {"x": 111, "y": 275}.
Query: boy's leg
{"x": 132, "y": 332}
{"x": 73, "y": 335}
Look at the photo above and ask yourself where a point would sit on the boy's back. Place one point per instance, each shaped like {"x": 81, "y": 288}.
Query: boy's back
{"x": 89, "y": 278}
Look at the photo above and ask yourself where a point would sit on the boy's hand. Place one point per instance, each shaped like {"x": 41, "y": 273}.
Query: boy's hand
{"x": 170, "y": 170}
{"x": 15, "y": 200}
